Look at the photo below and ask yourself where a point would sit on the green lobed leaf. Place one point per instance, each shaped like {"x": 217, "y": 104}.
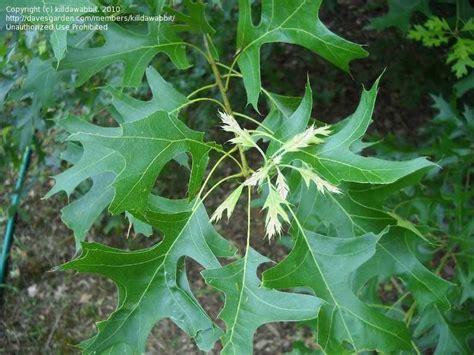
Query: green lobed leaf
{"x": 195, "y": 20}
{"x": 80, "y": 214}
{"x": 358, "y": 211}
{"x": 96, "y": 161}
{"x": 41, "y": 75}
{"x": 433, "y": 33}
{"x": 450, "y": 337}
{"x": 461, "y": 56}
{"x": 335, "y": 161}
{"x": 90, "y": 159}
{"x": 353, "y": 213}
{"x": 156, "y": 139}
{"x": 165, "y": 98}
{"x": 133, "y": 49}
{"x": 248, "y": 305}
{"x": 325, "y": 265}
{"x": 151, "y": 287}
{"x": 139, "y": 227}
{"x": 294, "y": 22}
{"x": 5, "y": 86}
{"x": 464, "y": 85}
{"x": 399, "y": 14}
{"x": 28, "y": 119}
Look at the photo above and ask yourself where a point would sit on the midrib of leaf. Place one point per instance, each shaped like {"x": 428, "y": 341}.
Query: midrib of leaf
{"x": 310, "y": 250}
{"x": 327, "y": 44}
{"x": 137, "y": 65}
{"x": 171, "y": 141}
{"x": 179, "y": 129}
{"x": 276, "y": 307}
{"x": 49, "y": 81}
{"x": 449, "y": 330}
{"x": 231, "y": 335}
{"x": 244, "y": 273}
{"x": 84, "y": 40}
{"x": 90, "y": 212}
{"x": 360, "y": 123}
{"x": 330, "y": 328}
{"x": 362, "y": 171}
{"x": 36, "y": 76}
{"x": 92, "y": 164}
{"x": 382, "y": 247}
{"x": 123, "y": 265}
{"x": 275, "y": 103}
{"x": 158, "y": 27}
{"x": 157, "y": 46}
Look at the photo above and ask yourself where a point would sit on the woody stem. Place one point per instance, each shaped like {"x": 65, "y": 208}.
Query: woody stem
{"x": 225, "y": 98}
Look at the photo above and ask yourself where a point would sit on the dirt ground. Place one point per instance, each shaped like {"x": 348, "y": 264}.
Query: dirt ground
{"x": 49, "y": 312}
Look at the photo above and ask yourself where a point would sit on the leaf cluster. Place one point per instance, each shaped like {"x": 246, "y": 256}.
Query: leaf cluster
{"x": 315, "y": 182}
{"x": 436, "y": 32}
{"x": 443, "y": 205}
{"x": 446, "y": 25}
